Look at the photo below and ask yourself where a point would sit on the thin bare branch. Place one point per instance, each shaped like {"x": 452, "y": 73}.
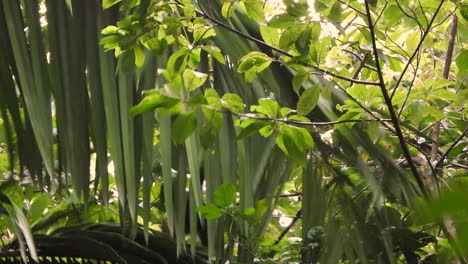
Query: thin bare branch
{"x": 454, "y": 144}
{"x": 291, "y": 122}
{"x": 388, "y": 102}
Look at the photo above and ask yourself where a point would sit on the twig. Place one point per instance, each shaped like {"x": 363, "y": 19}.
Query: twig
{"x": 361, "y": 59}
{"x": 292, "y": 122}
{"x": 388, "y": 102}
{"x": 286, "y": 230}
{"x": 289, "y": 195}
{"x": 454, "y": 144}
{"x": 352, "y": 7}
{"x": 410, "y": 87}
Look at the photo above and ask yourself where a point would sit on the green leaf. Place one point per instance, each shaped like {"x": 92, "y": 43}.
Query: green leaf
{"x": 290, "y": 36}
{"x": 335, "y": 12}
{"x": 108, "y": 3}
{"x": 266, "y": 106}
{"x": 308, "y": 100}
{"x": 298, "y": 80}
{"x": 197, "y": 100}
{"x": 250, "y": 127}
{"x": 193, "y": 79}
{"x": 298, "y": 9}
{"x": 184, "y": 125}
{"x": 319, "y": 49}
{"x": 215, "y": 52}
{"x": 254, "y": 9}
{"x": 109, "y": 30}
{"x": 249, "y": 211}
{"x": 281, "y": 21}
{"x": 225, "y": 195}
{"x": 270, "y": 35}
{"x": 139, "y": 56}
{"x": 210, "y": 211}
{"x": 233, "y": 102}
{"x": 227, "y": 9}
{"x": 350, "y": 115}
{"x": 177, "y": 61}
{"x": 316, "y": 30}
{"x": 152, "y": 102}
{"x": 254, "y": 59}
{"x": 462, "y": 61}
{"x": 200, "y": 33}
{"x": 286, "y": 142}
{"x": 392, "y": 14}
{"x": 416, "y": 111}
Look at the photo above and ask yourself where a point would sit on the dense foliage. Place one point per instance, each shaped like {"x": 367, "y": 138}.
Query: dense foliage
{"x": 255, "y": 131}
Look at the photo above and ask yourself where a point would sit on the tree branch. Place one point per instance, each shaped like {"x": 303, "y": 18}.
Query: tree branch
{"x": 448, "y": 62}
{"x": 291, "y": 122}
{"x": 286, "y": 230}
{"x": 454, "y": 144}
{"x": 388, "y": 102}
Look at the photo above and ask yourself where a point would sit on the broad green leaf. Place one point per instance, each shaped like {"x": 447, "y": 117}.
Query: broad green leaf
{"x": 184, "y": 125}
{"x": 335, "y": 12}
{"x": 233, "y": 102}
{"x": 254, "y": 9}
{"x": 462, "y": 61}
{"x": 281, "y": 21}
{"x": 109, "y": 30}
{"x": 307, "y": 137}
{"x": 254, "y": 59}
{"x": 303, "y": 41}
{"x": 215, "y": 52}
{"x": 225, "y": 195}
{"x": 350, "y": 115}
{"x": 285, "y": 111}
{"x": 197, "y": 100}
{"x": 270, "y": 35}
{"x": 416, "y": 111}
{"x": 443, "y": 94}
{"x": 266, "y": 106}
{"x": 308, "y": 100}
{"x": 286, "y": 143}
{"x": 463, "y": 10}
{"x": 193, "y": 79}
{"x": 108, "y": 3}
{"x": 210, "y": 211}
{"x": 290, "y": 36}
{"x": 177, "y": 61}
{"x": 250, "y": 127}
{"x": 298, "y": 9}
{"x": 316, "y": 30}
{"x": 200, "y": 33}
{"x": 139, "y": 56}
{"x": 152, "y": 102}
{"x": 249, "y": 211}
{"x": 392, "y": 14}
{"x": 319, "y": 49}
{"x": 298, "y": 80}
{"x": 227, "y": 9}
